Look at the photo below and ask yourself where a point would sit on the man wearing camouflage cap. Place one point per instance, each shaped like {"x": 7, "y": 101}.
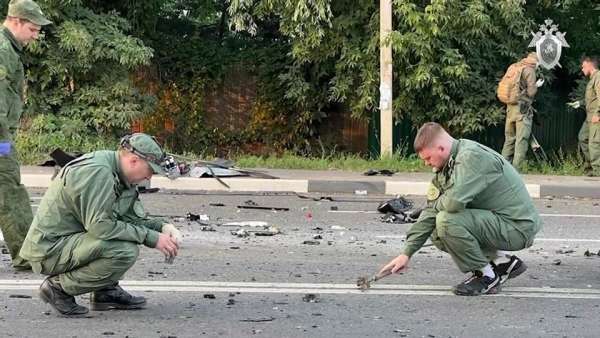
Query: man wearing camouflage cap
{"x": 21, "y": 26}
{"x": 86, "y": 232}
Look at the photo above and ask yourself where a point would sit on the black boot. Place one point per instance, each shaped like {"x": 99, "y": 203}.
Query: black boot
{"x": 115, "y": 297}
{"x": 52, "y": 293}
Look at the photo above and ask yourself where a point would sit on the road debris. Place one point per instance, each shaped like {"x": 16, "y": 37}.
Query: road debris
{"x": 258, "y": 320}
{"x": 565, "y": 251}
{"x": 311, "y": 242}
{"x": 207, "y": 228}
{"x": 587, "y": 253}
{"x": 397, "y": 205}
{"x": 364, "y": 282}
{"x": 556, "y": 262}
{"x": 382, "y": 172}
{"x": 209, "y": 296}
{"x": 256, "y": 224}
{"x": 216, "y": 204}
{"x": 258, "y": 207}
{"x": 197, "y": 218}
{"x": 144, "y": 190}
{"x": 311, "y": 298}
{"x": 393, "y": 218}
{"x": 265, "y": 231}
{"x": 20, "y": 296}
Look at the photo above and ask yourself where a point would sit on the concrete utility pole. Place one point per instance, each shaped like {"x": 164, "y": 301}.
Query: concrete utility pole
{"x": 385, "y": 87}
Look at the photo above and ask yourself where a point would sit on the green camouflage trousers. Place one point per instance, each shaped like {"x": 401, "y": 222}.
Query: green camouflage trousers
{"x": 15, "y": 209}
{"x": 473, "y": 236}
{"x": 589, "y": 144}
{"x": 517, "y": 132}
{"x": 84, "y": 263}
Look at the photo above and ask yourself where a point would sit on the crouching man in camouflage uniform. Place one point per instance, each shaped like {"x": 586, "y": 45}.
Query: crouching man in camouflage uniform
{"x": 89, "y": 224}
{"x": 478, "y": 207}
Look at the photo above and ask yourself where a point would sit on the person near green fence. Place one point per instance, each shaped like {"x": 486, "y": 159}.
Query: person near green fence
{"x": 21, "y": 26}
{"x": 478, "y": 210}
{"x": 86, "y": 232}
{"x": 520, "y": 86}
{"x": 589, "y": 134}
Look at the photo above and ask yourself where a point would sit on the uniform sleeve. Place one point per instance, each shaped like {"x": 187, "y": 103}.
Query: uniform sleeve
{"x": 93, "y": 191}
{"x": 596, "y": 108}
{"x": 7, "y": 95}
{"x": 419, "y": 232}
{"x": 139, "y": 217}
{"x": 529, "y": 82}
{"x": 472, "y": 173}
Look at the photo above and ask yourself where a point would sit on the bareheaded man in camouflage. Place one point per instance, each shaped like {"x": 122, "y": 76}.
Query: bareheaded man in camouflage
{"x": 519, "y": 112}
{"x": 589, "y": 134}
{"x": 477, "y": 210}
{"x": 90, "y": 222}
{"x": 21, "y": 26}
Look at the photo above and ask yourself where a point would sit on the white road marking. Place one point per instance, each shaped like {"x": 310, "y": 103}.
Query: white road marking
{"x": 377, "y": 212}
{"x": 570, "y": 215}
{"x": 574, "y": 240}
{"x": 321, "y": 288}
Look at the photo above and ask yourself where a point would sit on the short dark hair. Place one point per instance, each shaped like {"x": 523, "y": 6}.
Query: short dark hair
{"x": 591, "y": 59}
{"x": 427, "y": 134}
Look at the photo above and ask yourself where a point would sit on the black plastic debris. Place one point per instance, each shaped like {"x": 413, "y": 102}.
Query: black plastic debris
{"x": 216, "y": 204}
{"x": 397, "y": 205}
{"x": 311, "y": 298}
{"x": 383, "y": 172}
{"x": 209, "y": 296}
{"x": 565, "y": 251}
{"x": 250, "y": 203}
{"x": 20, "y": 296}
{"x": 312, "y": 242}
{"x": 588, "y": 253}
{"x": 192, "y": 217}
{"x": 144, "y": 190}
{"x": 256, "y": 207}
{"x": 396, "y": 218}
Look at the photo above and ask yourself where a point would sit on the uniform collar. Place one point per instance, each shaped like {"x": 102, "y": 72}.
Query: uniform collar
{"x": 9, "y": 35}
{"x": 453, "y": 152}
{"x": 594, "y": 74}
{"x": 119, "y": 170}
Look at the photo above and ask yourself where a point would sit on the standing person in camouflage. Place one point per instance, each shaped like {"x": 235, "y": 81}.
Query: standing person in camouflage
{"x": 589, "y": 134}
{"x": 519, "y": 116}
{"x": 21, "y": 26}
{"x": 477, "y": 208}
{"x": 86, "y": 232}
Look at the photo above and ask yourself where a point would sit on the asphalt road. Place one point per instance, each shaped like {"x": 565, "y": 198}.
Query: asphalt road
{"x": 260, "y": 283}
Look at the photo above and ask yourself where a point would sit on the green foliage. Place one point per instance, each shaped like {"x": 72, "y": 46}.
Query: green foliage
{"x": 81, "y": 67}
{"x": 45, "y": 133}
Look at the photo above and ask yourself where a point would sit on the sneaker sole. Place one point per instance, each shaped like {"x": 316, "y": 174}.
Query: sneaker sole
{"x": 116, "y": 306}
{"x": 491, "y": 290}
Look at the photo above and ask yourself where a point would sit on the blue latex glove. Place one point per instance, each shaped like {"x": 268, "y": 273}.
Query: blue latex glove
{"x": 5, "y": 148}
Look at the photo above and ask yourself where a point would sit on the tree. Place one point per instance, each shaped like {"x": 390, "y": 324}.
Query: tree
{"x": 81, "y": 66}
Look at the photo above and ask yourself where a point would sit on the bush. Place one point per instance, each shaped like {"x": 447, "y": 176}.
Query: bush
{"x": 44, "y": 133}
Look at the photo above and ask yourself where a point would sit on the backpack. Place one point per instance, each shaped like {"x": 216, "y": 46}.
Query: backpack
{"x": 508, "y": 89}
